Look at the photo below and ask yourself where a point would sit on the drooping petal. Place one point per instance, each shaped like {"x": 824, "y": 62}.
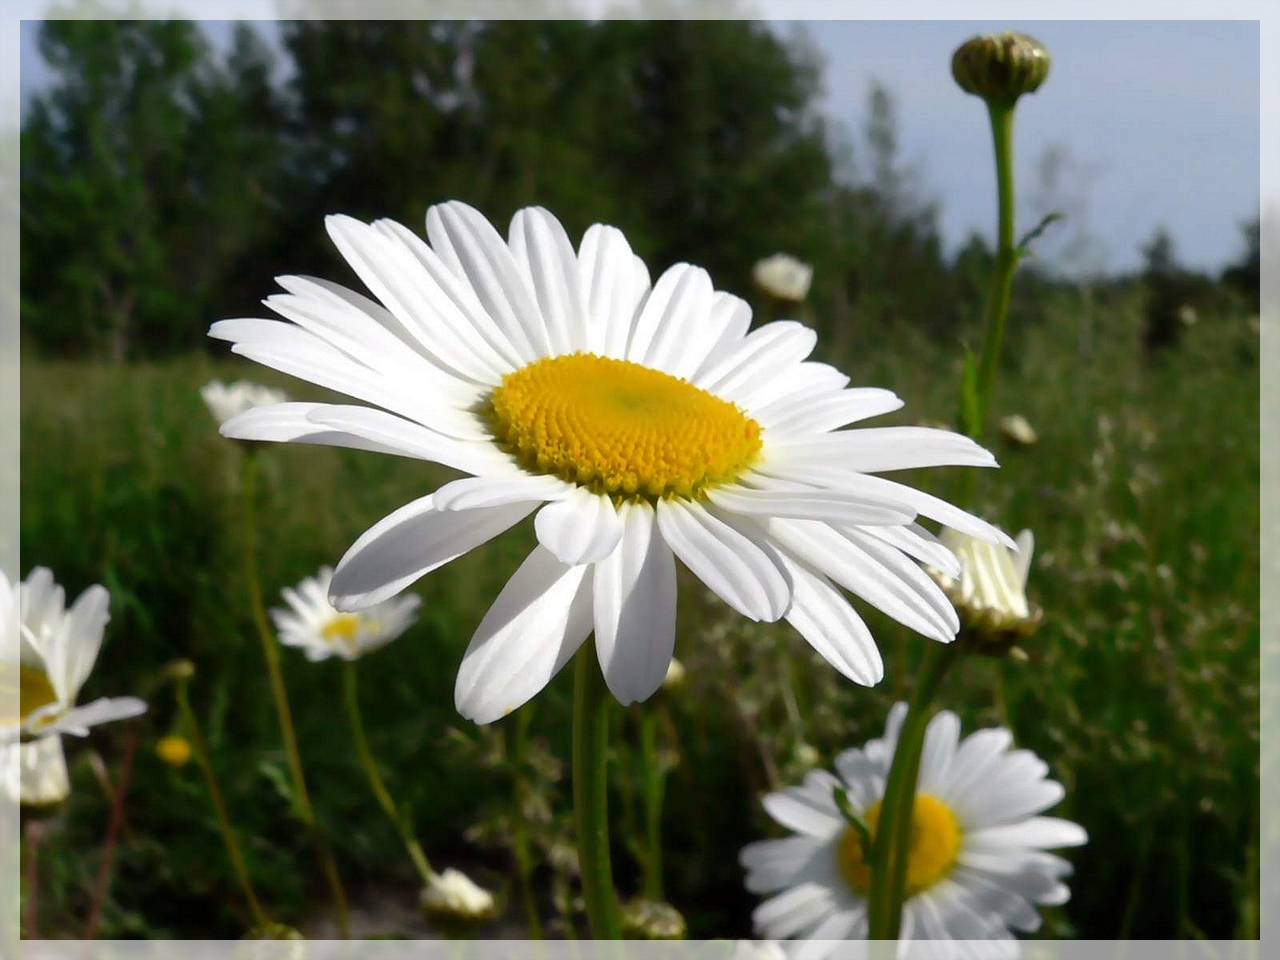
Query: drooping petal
{"x": 580, "y": 527}
{"x": 821, "y": 614}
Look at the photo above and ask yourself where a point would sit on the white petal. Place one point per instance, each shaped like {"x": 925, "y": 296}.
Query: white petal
{"x": 409, "y": 439}
{"x": 774, "y": 864}
{"x": 832, "y": 506}
{"x": 879, "y": 449}
{"x": 469, "y": 245}
{"x": 810, "y": 809}
{"x": 542, "y": 249}
{"x": 940, "y": 739}
{"x": 822, "y": 940}
{"x": 793, "y": 911}
{"x": 42, "y": 772}
{"x": 679, "y": 301}
{"x": 760, "y": 357}
{"x": 580, "y": 527}
{"x": 808, "y": 379}
{"x": 731, "y": 316}
{"x": 534, "y": 627}
{"x": 1025, "y": 546}
{"x": 78, "y": 720}
{"x": 612, "y": 289}
{"x": 411, "y": 542}
{"x": 498, "y": 489}
{"x": 70, "y": 656}
{"x": 737, "y": 570}
{"x": 1043, "y": 832}
{"x": 827, "y": 412}
{"x": 822, "y": 615}
{"x": 635, "y": 608}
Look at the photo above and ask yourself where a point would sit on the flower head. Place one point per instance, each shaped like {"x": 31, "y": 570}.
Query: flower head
{"x": 978, "y": 864}
{"x": 453, "y": 896}
{"x": 643, "y": 424}
{"x": 1000, "y": 67}
{"x": 226, "y": 400}
{"x": 311, "y": 622}
{"x": 1018, "y": 430}
{"x": 50, "y": 655}
{"x": 990, "y": 591}
{"x": 783, "y": 276}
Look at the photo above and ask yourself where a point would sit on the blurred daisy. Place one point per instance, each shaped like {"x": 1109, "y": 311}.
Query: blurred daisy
{"x": 311, "y": 622}
{"x": 452, "y": 895}
{"x": 225, "y": 400}
{"x": 978, "y": 865}
{"x": 643, "y": 423}
{"x": 1018, "y": 430}
{"x": 783, "y": 276}
{"x": 49, "y": 657}
{"x": 990, "y": 592}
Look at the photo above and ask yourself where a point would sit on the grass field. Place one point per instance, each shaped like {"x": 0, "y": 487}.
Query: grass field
{"x": 1141, "y": 690}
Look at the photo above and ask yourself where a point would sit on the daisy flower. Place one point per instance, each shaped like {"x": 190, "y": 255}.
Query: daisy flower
{"x": 311, "y": 622}
{"x": 642, "y": 422}
{"x": 225, "y": 400}
{"x": 990, "y": 591}
{"x": 48, "y": 658}
{"x": 783, "y": 276}
{"x": 978, "y": 865}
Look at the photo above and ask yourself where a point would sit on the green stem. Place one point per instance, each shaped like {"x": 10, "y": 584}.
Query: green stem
{"x": 653, "y": 784}
{"x": 1006, "y": 261}
{"x": 201, "y": 751}
{"x": 351, "y": 696}
{"x": 271, "y": 654}
{"x": 893, "y": 830}
{"x": 590, "y": 794}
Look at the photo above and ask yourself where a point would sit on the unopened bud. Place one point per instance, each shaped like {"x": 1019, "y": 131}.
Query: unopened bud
{"x": 456, "y": 903}
{"x": 652, "y": 920}
{"x": 1000, "y": 67}
{"x": 180, "y": 670}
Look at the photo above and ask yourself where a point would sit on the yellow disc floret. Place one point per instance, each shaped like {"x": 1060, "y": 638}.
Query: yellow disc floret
{"x": 620, "y": 428}
{"x": 342, "y": 628}
{"x": 935, "y": 844}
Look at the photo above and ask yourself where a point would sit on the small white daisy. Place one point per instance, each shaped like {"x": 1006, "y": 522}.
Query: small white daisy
{"x": 49, "y": 657}
{"x": 226, "y": 400}
{"x": 783, "y": 276}
{"x": 313, "y": 624}
{"x": 642, "y": 423}
{"x": 978, "y": 865}
{"x": 453, "y": 895}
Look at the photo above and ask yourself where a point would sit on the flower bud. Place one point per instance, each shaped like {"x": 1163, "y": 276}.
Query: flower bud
{"x": 651, "y": 920}
{"x": 180, "y": 670}
{"x": 990, "y": 594}
{"x": 783, "y": 276}
{"x": 1018, "y": 430}
{"x": 455, "y": 902}
{"x": 1000, "y": 67}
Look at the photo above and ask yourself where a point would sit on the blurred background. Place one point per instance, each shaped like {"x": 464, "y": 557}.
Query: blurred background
{"x": 171, "y": 169}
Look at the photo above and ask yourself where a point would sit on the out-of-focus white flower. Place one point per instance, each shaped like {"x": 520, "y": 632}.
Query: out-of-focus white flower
{"x": 452, "y": 895}
{"x": 978, "y": 865}
{"x": 783, "y": 276}
{"x": 49, "y": 657}
{"x": 643, "y": 424}
{"x": 675, "y": 677}
{"x": 990, "y": 590}
{"x": 1018, "y": 430}
{"x": 226, "y": 400}
{"x": 313, "y": 624}
{"x": 35, "y": 773}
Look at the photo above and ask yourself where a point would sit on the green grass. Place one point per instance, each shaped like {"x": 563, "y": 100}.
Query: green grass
{"x": 1141, "y": 691}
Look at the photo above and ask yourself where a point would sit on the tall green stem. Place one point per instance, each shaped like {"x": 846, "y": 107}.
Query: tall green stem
{"x": 653, "y": 776}
{"x": 201, "y": 751}
{"x": 271, "y": 654}
{"x": 590, "y": 794}
{"x": 893, "y": 830}
{"x": 1006, "y": 261}
{"x": 351, "y": 697}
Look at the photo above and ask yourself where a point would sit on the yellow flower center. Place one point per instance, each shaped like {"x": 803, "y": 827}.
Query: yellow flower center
{"x": 35, "y": 691}
{"x": 620, "y": 428}
{"x": 935, "y": 844}
{"x": 342, "y": 628}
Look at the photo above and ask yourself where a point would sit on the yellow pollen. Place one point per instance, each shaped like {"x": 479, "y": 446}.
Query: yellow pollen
{"x": 342, "y": 628}
{"x": 620, "y": 428}
{"x": 935, "y": 844}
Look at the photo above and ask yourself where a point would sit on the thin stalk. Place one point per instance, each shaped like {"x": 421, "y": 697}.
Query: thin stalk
{"x": 271, "y": 654}
{"x": 31, "y": 924}
{"x": 351, "y": 697}
{"x": 893, "y": 829}
{"x": 520, "y": 828}
{"x": 653, "y": 790}
{"x": 201, "y": 751}
{"x": 1006, "y": 260}
{"x": 106, "y": 865}
{"x": 591, "y": 795}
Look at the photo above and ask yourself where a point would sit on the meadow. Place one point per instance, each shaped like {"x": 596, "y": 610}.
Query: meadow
{"x": 1140, "y": 689}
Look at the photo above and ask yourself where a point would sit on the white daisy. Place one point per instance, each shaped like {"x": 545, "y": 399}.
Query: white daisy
{"x": 225, "y": 400}
{"x": 49, "y": 657}
{"x": 453, "y": 895}
{"x": 990, "y": 592}
{"x": 978, "y": 865}
{"x": 313, "y": 624}
{"x": 783, "y": 276}
{"x": 35, "y": 773}
{"x": 644, "y": 424}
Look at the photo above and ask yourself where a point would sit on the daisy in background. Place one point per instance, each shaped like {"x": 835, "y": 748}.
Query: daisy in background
{"x": 642, "y": 423}
{"x": 977, "y": 868}
{"x": 783, "y": 276}
{"x": 46, "y": 654}
{"x": 226, "y": 400}
{"x": 990, "y": 592}
{"x": 312, "y": 624}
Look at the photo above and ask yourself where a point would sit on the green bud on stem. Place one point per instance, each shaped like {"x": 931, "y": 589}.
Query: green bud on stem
{"x": 1000, "y": 67}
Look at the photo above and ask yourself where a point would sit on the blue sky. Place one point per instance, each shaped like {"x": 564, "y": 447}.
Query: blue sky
{"x": 1153, "y": 122}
